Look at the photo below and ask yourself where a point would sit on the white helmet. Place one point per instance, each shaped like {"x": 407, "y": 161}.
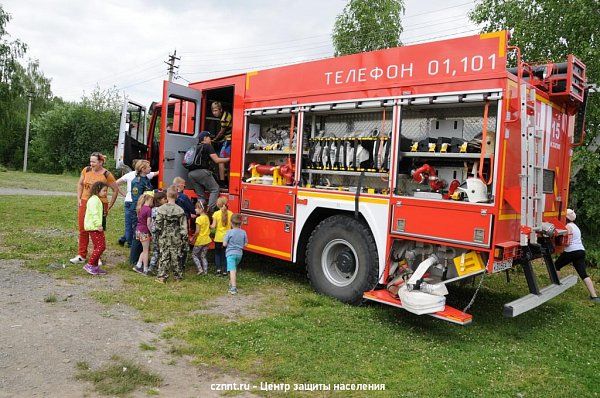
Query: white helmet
{"x": 475, "y": 189}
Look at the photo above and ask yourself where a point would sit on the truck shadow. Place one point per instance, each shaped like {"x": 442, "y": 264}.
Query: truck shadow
{"x": 486, "y": 309}
{"x": 487, "y": 317}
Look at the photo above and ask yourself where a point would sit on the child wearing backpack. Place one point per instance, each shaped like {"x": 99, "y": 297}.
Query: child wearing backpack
{"x": 221, "y": 223}
{"x": 201, "y": 239}
{"x": 234, "y": 242}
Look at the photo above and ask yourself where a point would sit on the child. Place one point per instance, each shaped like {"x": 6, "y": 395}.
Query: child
{"x": 201, "y": 239}
{"x": 160, "y": 198}
{"x": 186, "y": 204}
{"x": 234, "y": 241}
{"x": 182, "y": 199}
{"x": 221, "y": 223}
{"x": 92, "y": 223}
{"x": 139, "y": 185}
{"x": 171, "y": 232}
{"x": 142, "y": 230}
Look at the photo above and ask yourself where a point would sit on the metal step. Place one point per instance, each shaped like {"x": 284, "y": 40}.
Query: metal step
{"x": 526, "y": 303}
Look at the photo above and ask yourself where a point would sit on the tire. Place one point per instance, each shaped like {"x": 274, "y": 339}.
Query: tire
{"x": 341, "y": 259}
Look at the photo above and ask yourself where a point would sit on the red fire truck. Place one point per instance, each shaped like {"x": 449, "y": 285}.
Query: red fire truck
{"x": 394, "y": 172}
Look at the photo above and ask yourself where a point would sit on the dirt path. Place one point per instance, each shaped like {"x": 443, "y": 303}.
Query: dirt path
{"x": 33, "y": 192}
{"x": 40, "y": 343}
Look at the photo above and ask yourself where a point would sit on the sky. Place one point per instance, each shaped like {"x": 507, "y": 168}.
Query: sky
{"x": 82, "y": 44}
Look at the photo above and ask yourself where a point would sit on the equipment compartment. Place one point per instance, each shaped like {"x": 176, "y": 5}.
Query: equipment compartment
{"x": 348, "y": 147}
{"x": 457, "y": 224}
{"x": 444, "y": 152}
{"x": 270, "y": 147}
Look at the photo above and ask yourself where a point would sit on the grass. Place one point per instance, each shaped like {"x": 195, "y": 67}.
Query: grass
{"x": 120, "y": 377}
{"x": 51, "y": 298}
{"x": 147, "y": 347}
{"x": 45, "y": 182}
{"x": 297, "y": 336}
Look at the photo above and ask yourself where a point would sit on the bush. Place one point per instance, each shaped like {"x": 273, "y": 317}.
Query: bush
{"x": 65, "y": 136}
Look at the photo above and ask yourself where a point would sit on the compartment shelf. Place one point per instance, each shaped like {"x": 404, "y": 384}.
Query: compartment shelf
{"x": 345, "y": 172}
{"x": 442, "y": 155}
{"x": 273, "y": 152}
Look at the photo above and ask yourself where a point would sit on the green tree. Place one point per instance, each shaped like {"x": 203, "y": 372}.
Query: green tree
{"x": 16, "y": 81}
{"x": 65, "y": 136}
{"x": 550, "y": 30}
{"x": 367, "y": 25}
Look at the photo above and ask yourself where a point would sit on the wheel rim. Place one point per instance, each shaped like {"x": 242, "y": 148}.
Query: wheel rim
{"x": 339, "y": 262}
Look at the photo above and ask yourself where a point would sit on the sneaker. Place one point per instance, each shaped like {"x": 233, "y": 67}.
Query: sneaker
{"x": 99, "y": 263}
{"x": 232, "y": 290}
{"x": 77, "y": 260}
{"x": 90, "y": 269}
{"x": 122, "y": 241}
{"x": 100, "y": 271}
{"x": 161, "y": 280}
{"x": 139, "y": 270}
{"x": 218, "y": 272}
{"x": 595, "y": 300}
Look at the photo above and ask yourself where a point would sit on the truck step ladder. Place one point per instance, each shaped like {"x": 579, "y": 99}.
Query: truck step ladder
{"x": 539, "y": 296}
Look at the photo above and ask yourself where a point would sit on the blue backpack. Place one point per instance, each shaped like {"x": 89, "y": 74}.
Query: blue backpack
{"x": 139, "y": 185}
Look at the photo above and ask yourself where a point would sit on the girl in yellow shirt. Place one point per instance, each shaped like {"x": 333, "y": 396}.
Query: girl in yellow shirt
{"x": 201, "y": 239}
{"x": 221, "y": 223}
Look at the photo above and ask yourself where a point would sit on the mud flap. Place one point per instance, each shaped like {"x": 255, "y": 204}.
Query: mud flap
{"x": 532, "y": 300}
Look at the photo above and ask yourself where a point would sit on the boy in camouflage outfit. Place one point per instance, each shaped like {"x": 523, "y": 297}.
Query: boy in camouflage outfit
{"x": 171, "y": 232}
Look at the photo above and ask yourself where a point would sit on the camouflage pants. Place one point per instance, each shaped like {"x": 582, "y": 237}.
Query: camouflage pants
{"x": 155, "y": 253}
{"x": 169, "y": 260}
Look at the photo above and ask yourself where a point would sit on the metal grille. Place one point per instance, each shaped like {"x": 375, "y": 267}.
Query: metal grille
{"x": 416, "y": 123}
{"x": 352, "y": 124}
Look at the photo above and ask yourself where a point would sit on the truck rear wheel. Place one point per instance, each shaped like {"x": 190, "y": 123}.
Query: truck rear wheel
{"x": 341, "y": 259}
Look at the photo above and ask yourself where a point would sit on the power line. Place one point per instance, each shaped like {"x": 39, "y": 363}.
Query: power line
{"x": 439, "y": 9}
{"x": 262, "y": 45}
{"x": 448, "y": 36}
{"x": 258, "y": 67}
{"x": 138, "y": 83}
{"x": 436, "y": 32}
{"x": 262, "y": 56}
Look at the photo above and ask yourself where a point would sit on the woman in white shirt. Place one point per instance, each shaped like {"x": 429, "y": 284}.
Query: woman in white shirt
{"x": 575, "y": 253}
{"x": 128, "y": 236}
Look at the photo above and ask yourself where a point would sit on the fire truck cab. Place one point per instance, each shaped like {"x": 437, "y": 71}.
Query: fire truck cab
{"x": 395, "y": 172}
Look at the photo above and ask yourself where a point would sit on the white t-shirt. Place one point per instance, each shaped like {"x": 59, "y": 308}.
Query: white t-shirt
{"x": 576, "y": 243}
{"x": 129, "y": 177}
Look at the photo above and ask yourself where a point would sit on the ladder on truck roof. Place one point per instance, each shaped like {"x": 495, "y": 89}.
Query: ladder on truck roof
{"x": 532, "y": 210}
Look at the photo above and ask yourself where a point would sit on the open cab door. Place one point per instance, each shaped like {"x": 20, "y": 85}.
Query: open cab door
{"x": 179, "y": 129}
{"x": 133, "y": 138}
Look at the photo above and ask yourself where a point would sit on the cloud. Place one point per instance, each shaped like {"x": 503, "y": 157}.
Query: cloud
{"x": 125, "y": 43}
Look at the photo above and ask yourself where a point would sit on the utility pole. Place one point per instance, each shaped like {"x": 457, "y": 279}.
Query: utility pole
{"x": 29, "y": 98}
{"x": 171, "y": 63}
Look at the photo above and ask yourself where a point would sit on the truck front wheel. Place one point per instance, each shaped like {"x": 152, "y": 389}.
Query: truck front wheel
{"x": 341, "y": 259}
